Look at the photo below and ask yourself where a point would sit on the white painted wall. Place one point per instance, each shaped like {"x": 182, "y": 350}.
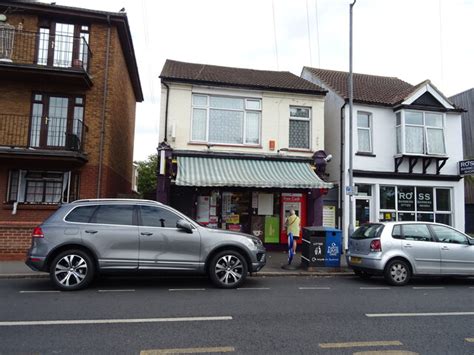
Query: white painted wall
{"x": 274, "y": 124}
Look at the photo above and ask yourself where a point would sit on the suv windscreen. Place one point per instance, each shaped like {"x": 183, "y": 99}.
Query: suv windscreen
{"x": 367, "y": 231}
{"x": 81, "y": 214}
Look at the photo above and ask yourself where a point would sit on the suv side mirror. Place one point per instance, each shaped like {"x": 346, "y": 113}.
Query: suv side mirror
{"x": 470, "y": 241}
{"x": 184, "y": 225}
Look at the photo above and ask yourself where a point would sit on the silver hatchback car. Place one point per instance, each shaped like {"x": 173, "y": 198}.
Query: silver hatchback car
{"x": 400, "y": 250}
{"x": 87, "y": 237}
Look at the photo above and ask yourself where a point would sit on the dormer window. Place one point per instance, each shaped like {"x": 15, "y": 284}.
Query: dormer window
{"x": 420, "y": 133}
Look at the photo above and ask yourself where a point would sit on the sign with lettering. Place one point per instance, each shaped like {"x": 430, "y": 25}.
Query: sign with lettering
{"x": 406, "y": 198}
{"x": 466, "y": 167}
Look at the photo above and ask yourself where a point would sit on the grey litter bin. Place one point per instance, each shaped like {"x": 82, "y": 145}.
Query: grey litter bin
{"x": 321, "y": 247}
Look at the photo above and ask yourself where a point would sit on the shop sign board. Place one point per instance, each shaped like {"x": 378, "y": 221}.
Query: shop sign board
{"x": 466, "y": 167}
{"x": 329, "y": 216}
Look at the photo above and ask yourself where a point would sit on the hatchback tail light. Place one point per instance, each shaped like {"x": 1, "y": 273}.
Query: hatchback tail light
{"x": 37, "y": 233}
{"x": 375, "y": 245}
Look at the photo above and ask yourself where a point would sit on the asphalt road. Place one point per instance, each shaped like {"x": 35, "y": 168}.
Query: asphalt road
{"x": 273, "y": 315}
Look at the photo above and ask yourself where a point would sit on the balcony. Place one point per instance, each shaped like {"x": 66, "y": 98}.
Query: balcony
{"x": 41, "y": 56}
{"x": 42, "y": 138}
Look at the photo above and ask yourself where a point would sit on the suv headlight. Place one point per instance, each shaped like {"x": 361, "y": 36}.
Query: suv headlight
{"x": 254, "y": 242}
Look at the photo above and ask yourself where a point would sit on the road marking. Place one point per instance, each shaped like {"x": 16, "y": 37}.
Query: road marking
{"x": 223, "y": 349}
{"x": 469, "y": 340}
{"x": 49, "y": 291}
{"x": 314, "y": 288}
{"x": 428, "y": 288}
{"x": 186, "y": 289}
{"x": 373, "y": 315}
{"x": 374, "y": 288}
{"x": 254, "y": 288}
{"x": 355, "y": 344}
{"x": 116, "y": 290}
{"x": 386, "y": 352}
{"x": 113, "y": 321}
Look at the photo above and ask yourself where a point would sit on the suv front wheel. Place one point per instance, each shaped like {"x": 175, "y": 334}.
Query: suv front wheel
{"x": 397, "y": 272}
{"x": 228, "y": 269}
{"x": 72, "y": 270}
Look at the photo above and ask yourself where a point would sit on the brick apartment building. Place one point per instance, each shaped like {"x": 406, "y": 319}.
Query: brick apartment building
{"x": 69, "y": 87}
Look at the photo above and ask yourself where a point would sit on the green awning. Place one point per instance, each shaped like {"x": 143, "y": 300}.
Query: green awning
{"x": 200, "y": 171}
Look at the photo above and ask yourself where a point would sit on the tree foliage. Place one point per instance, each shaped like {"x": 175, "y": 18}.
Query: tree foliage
{"x": 147, "y": 175}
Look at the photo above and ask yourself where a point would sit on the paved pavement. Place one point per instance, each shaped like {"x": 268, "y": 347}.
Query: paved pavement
{"x": 275, "y": 261}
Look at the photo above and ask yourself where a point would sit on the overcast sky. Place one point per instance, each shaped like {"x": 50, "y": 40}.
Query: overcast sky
{"x": 413, "y": 40}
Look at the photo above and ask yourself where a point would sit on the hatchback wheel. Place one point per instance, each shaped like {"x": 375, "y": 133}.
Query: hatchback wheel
{"x": 397, "y": 273}
{"x": 72, "y": 270}
{"x": 228, "y": 269}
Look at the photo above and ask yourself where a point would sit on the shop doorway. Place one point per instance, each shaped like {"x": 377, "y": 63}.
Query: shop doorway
{"x": 363, "y": 210}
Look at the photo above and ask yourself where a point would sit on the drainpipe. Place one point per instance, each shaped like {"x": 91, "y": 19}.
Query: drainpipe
{"x": 166, "y": 111}
{"x": 104, "y": 103}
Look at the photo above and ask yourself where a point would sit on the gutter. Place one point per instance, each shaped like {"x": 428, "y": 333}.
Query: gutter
{"x": 104, "y": 111}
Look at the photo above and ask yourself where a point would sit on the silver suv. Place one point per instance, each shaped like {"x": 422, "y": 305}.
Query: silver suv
{"x": 399, "y": 250}
{"x": 87, "y": 237}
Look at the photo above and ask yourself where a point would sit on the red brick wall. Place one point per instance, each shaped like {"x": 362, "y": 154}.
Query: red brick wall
{"x": 15, "y": 98}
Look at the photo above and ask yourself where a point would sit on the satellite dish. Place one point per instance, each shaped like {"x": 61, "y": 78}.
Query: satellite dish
{"x": 3, "y": 18}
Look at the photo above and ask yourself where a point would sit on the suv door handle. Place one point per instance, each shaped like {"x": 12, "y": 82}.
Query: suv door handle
{"x": 444, "y": 247}
{"x": 146, "y": 233}
{"x": 91, "y": 231}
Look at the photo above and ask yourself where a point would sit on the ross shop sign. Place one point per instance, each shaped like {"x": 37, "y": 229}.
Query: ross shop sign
{"x": 466, "y": 167}
{"x": 406, "y": 200}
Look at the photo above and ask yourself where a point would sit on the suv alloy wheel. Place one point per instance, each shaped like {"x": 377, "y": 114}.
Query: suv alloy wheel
{"x": 228, "y": 269}
{"x": 72, "y": 270}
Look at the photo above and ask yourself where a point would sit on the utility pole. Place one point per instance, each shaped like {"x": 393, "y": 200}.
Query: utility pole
{"x": 351, "y": 143}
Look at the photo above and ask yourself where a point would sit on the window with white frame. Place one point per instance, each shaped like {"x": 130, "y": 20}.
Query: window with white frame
{"x": 420, "y": 132}
{"x": 300, "y": 127}
{"x": 226, "y": 120}
{"x": 33, "y": 186}
{"x": 364, "y": 132}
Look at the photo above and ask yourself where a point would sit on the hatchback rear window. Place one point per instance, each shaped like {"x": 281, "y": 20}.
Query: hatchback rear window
{"x": 81, "y": 214}
{"x": 368, "y": 231}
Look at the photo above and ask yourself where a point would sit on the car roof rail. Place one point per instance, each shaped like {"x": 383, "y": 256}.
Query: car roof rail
{"x": 115, "y": 199}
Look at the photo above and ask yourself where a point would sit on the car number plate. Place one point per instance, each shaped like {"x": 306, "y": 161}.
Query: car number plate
{"x": 356, "y": 260}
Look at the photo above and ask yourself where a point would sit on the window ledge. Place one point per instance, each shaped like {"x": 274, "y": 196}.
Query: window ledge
{"x": 209, "y": 145}
{"x": 31, "y": 206}
{"x": 299, "y": 150}
{"x": 366, "y": 154}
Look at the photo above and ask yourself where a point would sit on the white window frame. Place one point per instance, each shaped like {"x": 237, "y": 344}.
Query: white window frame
{"x": 402, "y": 126}
{"x": 371, "y": 147}
{"x": 245, "y": 110}
{"x": 291, "y": 118}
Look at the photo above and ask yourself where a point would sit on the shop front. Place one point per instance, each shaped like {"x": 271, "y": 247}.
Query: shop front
{"x": 252, "y": 196}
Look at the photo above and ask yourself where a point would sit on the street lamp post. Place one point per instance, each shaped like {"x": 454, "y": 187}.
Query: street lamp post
{"x": 351, "y": 148}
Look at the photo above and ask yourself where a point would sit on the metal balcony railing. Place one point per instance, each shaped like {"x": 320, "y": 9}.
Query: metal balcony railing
{"x": 43, "y": 49}
{"x": 56, "y": 133}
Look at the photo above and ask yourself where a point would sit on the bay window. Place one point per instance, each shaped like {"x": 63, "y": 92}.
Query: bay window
{"x": 226, "y": 120}
{"x": 300, "y": 127}
{"x": 420, "y": 132}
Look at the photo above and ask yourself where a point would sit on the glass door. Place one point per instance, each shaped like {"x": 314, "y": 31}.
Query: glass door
{"x": 362, "y": 210}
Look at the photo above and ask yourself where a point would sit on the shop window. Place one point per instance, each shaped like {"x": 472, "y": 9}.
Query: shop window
{"x": 412, "y": 203}
{"x": 364, "y": 190}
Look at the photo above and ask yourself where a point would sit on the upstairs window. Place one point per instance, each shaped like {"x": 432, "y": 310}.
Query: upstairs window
{"x": 420, "y": 133}
{"x": 364, "y": 132}
{"x": 226, "y": 120}
{"x": 300, "y": 127}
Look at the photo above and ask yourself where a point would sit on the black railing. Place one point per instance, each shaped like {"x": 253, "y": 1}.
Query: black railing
{"x": 42, "y": 132}
{"x": 43, "y": 49}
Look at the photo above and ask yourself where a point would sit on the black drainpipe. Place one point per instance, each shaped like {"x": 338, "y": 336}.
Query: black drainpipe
{"x": 104, "y": 103}
{"x": 166, "y": 111}
{"x": 341, "y": 166}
